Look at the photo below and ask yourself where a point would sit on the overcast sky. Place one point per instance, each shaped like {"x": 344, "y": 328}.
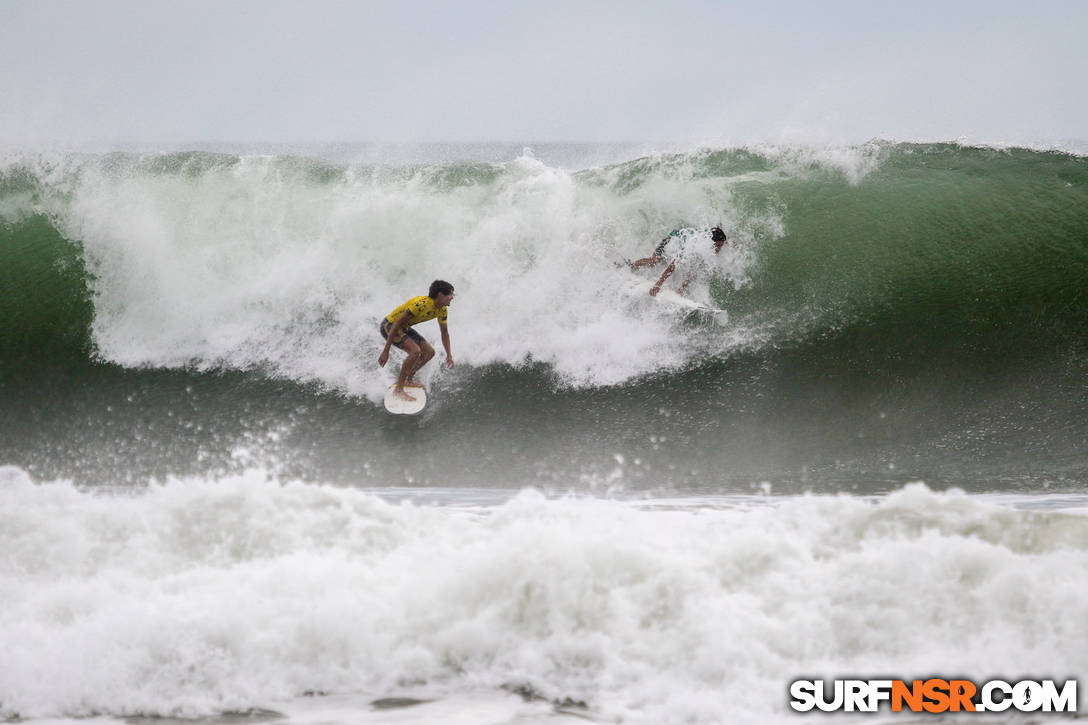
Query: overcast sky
{"x": 145, "y": 71}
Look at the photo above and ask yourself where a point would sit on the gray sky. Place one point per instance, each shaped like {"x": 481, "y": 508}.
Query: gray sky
{"x": 150, "y": 71}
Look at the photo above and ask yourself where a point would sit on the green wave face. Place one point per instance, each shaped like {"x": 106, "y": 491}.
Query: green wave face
{"x": 895, "y": 312}
{"x": 940, "y": 246}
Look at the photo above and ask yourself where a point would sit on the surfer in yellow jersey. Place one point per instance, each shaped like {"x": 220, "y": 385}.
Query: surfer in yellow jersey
{"x": 396, "y": 328}
{"x": 672, "y": 249}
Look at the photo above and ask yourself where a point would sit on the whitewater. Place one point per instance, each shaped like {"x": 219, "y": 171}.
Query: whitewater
{"x": 196, "y": 598}
{"x": 242, "y": 262}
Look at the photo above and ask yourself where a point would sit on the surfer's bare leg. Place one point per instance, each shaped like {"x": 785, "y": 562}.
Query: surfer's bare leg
{"x": 408, "y": 368}
{"x": 426, "y": 352}
{"x": 664, "y": 276}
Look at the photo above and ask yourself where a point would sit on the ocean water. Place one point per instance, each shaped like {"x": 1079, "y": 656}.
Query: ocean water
{"x": 875, "y": 463}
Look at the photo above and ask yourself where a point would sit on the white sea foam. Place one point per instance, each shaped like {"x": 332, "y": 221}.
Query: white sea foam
{"x": 195, "y": 598}
{"x": 282, "y": 264}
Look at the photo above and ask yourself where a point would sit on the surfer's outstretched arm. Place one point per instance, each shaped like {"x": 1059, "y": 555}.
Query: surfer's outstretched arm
{"x": 446, "y": 344}
{"x": 390, "y": 336}
{"x": 383, "y": 358}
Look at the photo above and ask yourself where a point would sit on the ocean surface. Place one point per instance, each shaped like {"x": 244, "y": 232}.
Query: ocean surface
{"x": 873, "y": 463}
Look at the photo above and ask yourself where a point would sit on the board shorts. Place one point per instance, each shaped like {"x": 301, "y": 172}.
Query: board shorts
{"x": 407, "y": 332}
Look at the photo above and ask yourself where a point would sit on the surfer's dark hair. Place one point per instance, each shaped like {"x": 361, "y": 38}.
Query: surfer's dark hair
{"x": 717, "y": 234}
{"x": 440, "y": 286}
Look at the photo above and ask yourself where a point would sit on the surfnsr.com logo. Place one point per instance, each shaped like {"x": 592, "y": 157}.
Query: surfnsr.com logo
{"x": 933, "y": 695}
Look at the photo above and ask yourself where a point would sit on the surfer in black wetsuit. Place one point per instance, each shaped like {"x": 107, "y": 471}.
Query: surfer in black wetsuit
{"x": 671, "y": 248}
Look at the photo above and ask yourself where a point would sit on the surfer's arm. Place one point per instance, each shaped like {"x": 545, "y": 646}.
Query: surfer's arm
{"x": 664, "y": 276}
{"x": 383, "y": 358}
{"x": 446, "y": 343}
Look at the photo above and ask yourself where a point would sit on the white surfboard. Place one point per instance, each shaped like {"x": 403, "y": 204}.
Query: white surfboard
{"x": 639, "y": 288}
{"x": 675, "y": 298}
{"x": 399, "y": 406}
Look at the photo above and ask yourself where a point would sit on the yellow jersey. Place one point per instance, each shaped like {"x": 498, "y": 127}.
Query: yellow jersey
{"x": 419, "y": 309}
